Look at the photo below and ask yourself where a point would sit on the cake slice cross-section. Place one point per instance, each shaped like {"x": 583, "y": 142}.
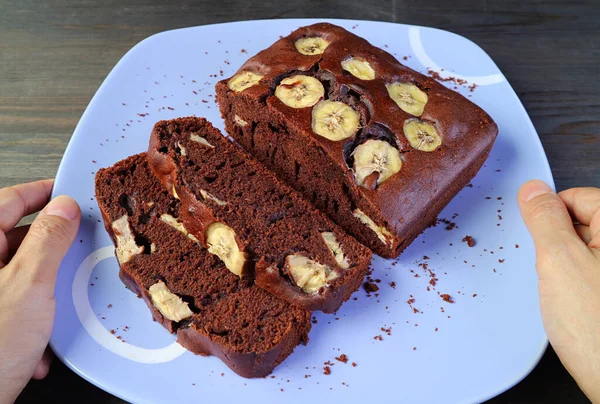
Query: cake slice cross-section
{"x": 253, "y": 222}
{"x": 189, "y": 290}
{"x": 377, "y": 146}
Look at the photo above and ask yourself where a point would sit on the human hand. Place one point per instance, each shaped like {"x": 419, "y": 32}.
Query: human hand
{"x": 29, "y": 260}
{"x": 566, "y": 231}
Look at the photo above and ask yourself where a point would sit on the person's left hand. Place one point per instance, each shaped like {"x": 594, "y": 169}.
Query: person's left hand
{"x": 29, "y": 260}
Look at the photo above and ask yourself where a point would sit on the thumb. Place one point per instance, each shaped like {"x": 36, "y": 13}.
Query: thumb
{"x": 546, "y": 217}
{"x": 47, "y": 241}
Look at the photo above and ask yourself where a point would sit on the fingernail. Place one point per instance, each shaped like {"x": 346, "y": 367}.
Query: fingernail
{"x": 62, "y": 206}
{"x": 535, "y": 188}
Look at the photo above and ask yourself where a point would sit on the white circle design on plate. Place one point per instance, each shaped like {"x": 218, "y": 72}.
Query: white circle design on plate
{"x": 98, "y": 332}
{"x": 414, "y": 37}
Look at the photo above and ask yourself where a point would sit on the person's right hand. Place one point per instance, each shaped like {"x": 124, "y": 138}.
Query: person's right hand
{"x": 566, "y": 231}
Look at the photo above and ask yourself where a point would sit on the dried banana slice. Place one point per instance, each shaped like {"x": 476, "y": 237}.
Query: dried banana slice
{"x": 243, "y": 80}
{"x": 199, "y": 139}
{"x": 221, "y": 242}
{"x": 126, "y": 246}
{"x": 239, "y": 120}
{"x": 311, "y": 46}
{"x": 410, "y": 98}
{"x": 334, "y": 120}
{"x": 300, "y": 91}
{"x": 169, "y": 304}
{"x": 422, "y": 135}
{"x": 336, "y": 249}
{"x": 374, "y": 162}
{"x": 177, "y": 225}
{"x": 309, "y": 275}
{"x": 382, "y": 233}
{"x": 359, "y": 68}
{"x": 206, "y": 195}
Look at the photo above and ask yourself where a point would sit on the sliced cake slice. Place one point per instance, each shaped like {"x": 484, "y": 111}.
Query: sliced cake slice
{"x": 256, "y": 224}
{"x": 376, "y": 145}
{"x": 189, "y": 290}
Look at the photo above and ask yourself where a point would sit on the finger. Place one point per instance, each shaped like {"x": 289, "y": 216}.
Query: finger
{"x": 583, "y": 232}
{"x": 584, "y": 206}
{"x": 582, "y": 203}
{"x": 47, "y": 242}
{"x": 43, "y": 366}
{"x": 546, "y": 217}
{"x": 21, "y": 200}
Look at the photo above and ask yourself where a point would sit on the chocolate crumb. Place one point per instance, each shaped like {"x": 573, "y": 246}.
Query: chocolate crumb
{"x": 447, "y": 298}
{"x": 109, "y": 306}
{"x": 474, "y": 294}
{"x": 501, "y": 261}
{"x": 342, "y": 358}
{"x": 469, "y": 240}
{"x": 370, "y": 287}
{"x": 353, "y": 364}
{"x": 393, "y": 284}
{"x": 326, "y": 370}
{"x": 437, "y": 76}
{"x": 378, "y": 337}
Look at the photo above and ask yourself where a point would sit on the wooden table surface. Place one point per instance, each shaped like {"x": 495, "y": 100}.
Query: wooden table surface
{"x": 54, "y": 55}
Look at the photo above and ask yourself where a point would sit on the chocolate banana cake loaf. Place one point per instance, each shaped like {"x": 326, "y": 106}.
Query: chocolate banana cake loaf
{"x": 189, "y": 290}
{"x": 377, "y": 146}
{"x": 243, "y": 214}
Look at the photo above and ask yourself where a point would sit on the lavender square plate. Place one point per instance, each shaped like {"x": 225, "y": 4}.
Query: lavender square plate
{"x": 404, "y": 343}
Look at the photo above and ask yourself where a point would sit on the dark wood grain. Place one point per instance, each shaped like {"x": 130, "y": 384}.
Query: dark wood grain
{"x": 55, "y": 54}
